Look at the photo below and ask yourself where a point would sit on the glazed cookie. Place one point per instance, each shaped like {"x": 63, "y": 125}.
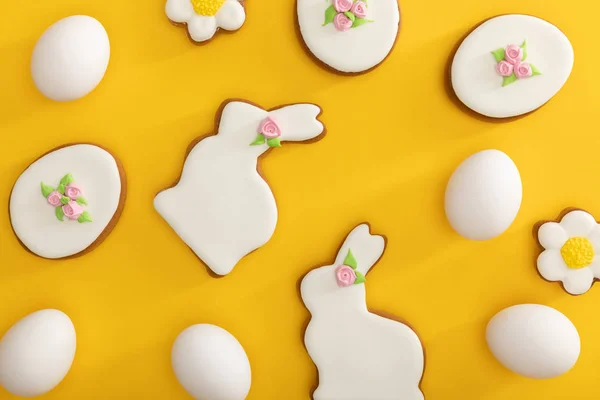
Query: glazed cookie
{"x": 391, "y": 363}
{"x": 569, "y": 251}
{"x": 68, "y": 201}
{"x": 204, "y": 17}
{"x": 350, "y": 36}
{"x": 221, "y": 207}
{"x": 511, "y": 65}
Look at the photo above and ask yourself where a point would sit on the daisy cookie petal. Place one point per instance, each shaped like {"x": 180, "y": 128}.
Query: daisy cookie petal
{"x": 578, "y": 281}
{"x": 578, "y": 223}
{"x": 180, "y": 11}
{"x": 231, "y": 16}
{"x": 202, "y": 28}
{"x": 551, "y": 265}
{"x": 552, "y": 235}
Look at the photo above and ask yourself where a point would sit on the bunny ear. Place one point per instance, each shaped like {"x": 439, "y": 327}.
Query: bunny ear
{"x": 361, "y": 248}
{"x": 298, "y": 122}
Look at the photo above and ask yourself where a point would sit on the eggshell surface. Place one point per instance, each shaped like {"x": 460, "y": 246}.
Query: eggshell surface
{"x": 36, "y": 353}
{"x": 70, "y": 58}
{"x": 533, "y": 340}
{"x": 211, "y": 364}
{"x": 480, "y": 87}
{"x": 483, "y": 195}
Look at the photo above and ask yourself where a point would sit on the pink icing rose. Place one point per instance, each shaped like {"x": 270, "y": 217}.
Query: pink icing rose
{"x": 269, "y": 128}
{"x": 359, "y": 9}
{"x": 345, "y": 276}
{"x": 504, "y": 68}
{"x": 72, "y": 210}
{"x": 342, "y": 23}
{"x": 54, "y": 198}
{"x": 72, "y": 191}
{"x": 513, "y": 54}
{"x": 523, "y": 70}
{"x": 342, "y": 5}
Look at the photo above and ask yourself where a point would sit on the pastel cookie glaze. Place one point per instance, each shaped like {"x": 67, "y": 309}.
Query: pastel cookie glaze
{"x": 359, "y": 355}
{"x": 570, "y": 251}
{"x": 347, "y": 35}
{"x": 204, "y": 17}
{"x": 221, "y": 207}
{"x": 501, "y": 87}
{"x": 52, "y": 229}
{"x": 534, "y": 341}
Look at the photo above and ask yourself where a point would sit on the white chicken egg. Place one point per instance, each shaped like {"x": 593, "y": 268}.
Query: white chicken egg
{"x": 533, "y": 340}
{"x": 483, "y": 195}
{"x": 36, "y": 353}
{"x": 211, "y": 364}
{"x": 71, "y": 58}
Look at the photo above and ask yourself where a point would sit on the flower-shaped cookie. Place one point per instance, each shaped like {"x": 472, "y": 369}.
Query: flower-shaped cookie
{"x": 204, "y": 17}
{"x": 570, "y": 251}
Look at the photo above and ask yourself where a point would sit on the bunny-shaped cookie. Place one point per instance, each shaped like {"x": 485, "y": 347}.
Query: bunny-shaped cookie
{"x": 359, "y": 355}
{"x": 221, "y": 207}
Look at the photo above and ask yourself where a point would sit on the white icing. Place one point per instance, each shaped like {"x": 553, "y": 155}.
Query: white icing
{"x": 479, "y": 86}
{"x": 221, "y": 207}
{"x": 231, "y": 16}
{"x": 359, "y": 355}
{"x": 357, "y": 49}
{"x": 551, "y": 265}
{"x": 34, "y": 220}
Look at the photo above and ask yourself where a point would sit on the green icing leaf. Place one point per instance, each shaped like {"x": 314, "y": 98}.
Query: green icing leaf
{"x": 65, "y": 200}
{"x": 360, "y": 278}
{"x": 350, "y": 15}
{"x": 330, "y": 14}
{"x": 260, "y": 139}
{"x": 46, "y": 190}
{"x": 68, "y": 178}
{"x": 360, "y": 21}
{"x": 509, "y": 79}
{"x": 84, "y": 217}
{"x": 524, "y": 47}
{"x": 59, "y": 213}
{"x": 81, "y": 201}
{"x": 535, "y": 71}
{"x": 498, "y": 55}
{"x": 61, "y": 189}
{"x": 350, "y": 260}
{"x": 275, "y": 142}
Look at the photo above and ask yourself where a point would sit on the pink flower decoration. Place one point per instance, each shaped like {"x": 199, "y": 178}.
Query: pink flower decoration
{"x": 513, "y": 54}
{"x": 54, "y": 198}
{"x": 72, "y": 210}
{"x": 72, "y": 191}
{"x": 504, "y": 68}
{"x": 269, "y": 128}
{"x": 359, "y": 9}
{"x": 342, "y": 23}
{"x": 523, "y": 70}
{"x": 345, "y": 276}
{"x": 342, "y": 5}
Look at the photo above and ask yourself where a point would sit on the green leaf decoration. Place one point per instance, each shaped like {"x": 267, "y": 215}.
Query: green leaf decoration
{"x": 360, "y": 278}
{"x": 61, "y": 189}
{"x": 535, "y": 71}
{"x": 330, "y": 14}
{"x": 59, "y": 213}
{"x": 350, "y": 260}
{"x": 81, "y": 201}
{"x": 68, "y": 178}
{"x": 46, "y": 190}
{"x": 524, "y": 47}
{"x": 65, "y": 200}
{"x": 275, "y": 142}
{"x": 84, "y": 217}
{"x": 509, "y": 79}
{"x": 260, "y": 139}
{"x": 360, "y": 21}
{"x": 350, "y": 15}
{"x": 498, "y": 55}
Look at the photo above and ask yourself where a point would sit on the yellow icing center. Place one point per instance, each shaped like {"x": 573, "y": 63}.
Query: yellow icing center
{"x": 207, "y": 8}
{"x": 577, "y": 252}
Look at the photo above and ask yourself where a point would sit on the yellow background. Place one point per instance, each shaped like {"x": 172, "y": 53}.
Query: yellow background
{"x": 394, "y": 137}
